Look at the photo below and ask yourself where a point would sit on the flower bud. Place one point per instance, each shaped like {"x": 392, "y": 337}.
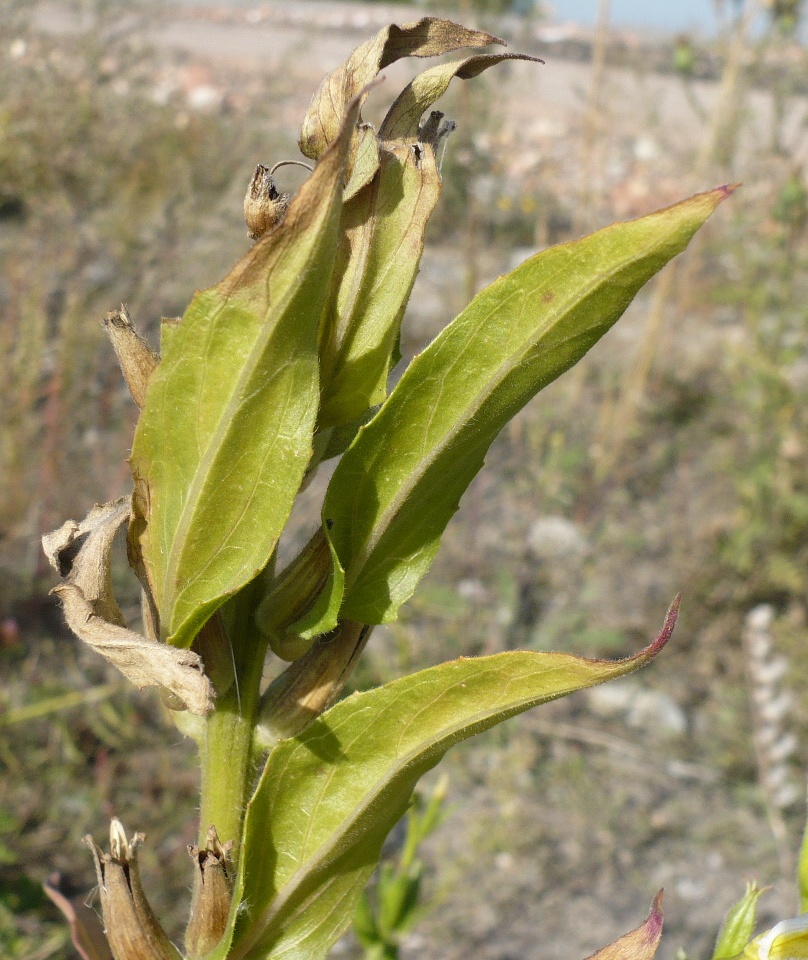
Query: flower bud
{"x": 292, "y": 595}
{"x": 210, "y": 906}
{"x": 312, "y": 683}
{"x": 131, "y": 927}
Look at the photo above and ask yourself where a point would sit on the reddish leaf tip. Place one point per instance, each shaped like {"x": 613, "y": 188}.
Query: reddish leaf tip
{"x": 665, "y": 633}
{"x": 728, "y": 189}
{"x": 652, "y": 927}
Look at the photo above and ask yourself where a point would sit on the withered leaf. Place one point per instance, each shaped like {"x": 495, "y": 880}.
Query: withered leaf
{"x": 366, "y": 161}
{"x": 427, "y": 37}
{"x": 80, "y": 553}
{"x": 404, "y": 115}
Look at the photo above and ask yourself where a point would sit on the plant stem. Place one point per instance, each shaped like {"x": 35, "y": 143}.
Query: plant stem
{"x": 225, "y": 751}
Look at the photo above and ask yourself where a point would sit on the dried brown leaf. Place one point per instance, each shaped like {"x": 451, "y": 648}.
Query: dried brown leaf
{"x": 403, "y": 118}
{"x": 427, "y": 37}
{"x": 80, "y": 552}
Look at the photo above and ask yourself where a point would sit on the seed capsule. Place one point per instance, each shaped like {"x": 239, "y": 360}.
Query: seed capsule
{"x": 210, "y": 906}
{"x": 132, "y": 929}
{"x": 264, "y": 206}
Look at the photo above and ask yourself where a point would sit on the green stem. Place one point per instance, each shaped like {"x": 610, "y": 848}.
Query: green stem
{"x": 225, "y": 751}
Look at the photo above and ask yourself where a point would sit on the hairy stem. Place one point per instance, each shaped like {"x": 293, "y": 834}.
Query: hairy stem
{"x": 226, "y": 756}
{"x": 226, "y": 747}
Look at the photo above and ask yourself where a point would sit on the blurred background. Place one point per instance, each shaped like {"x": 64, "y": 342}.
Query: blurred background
{"x": 672, "y": 458}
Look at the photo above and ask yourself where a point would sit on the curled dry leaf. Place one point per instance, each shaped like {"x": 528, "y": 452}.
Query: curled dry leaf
{"x": 404, "y": 117}
{"x": 80, "y": 553}
{"x": 638, "y": 944}
{"x": 427, "y": 37}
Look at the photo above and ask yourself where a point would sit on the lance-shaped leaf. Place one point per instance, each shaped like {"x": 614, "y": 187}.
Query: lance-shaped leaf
{"x": 226, "y": 431}
{"x": 380, "y": 251}
{"x": 400, "y": 482}
{"x": 638, "y": 944}
{"x": 404, "y": 117}
{"x": 80, "y": 553}
{"x": 327, "y": 799}
{"x": 427, "y": 37}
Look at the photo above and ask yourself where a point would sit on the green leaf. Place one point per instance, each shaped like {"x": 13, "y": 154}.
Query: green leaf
{"x": 382, "y": 242}
{"x": 327, "y": 799}
{"x": 428, "y": 37}
{"x": 739, "y": 925}
{"x": 226, "y": 431}
{"x": 404, "y": 117}
{"x": 400, "y": 482}
{"x": 423, "y": 818}
{"x": 434, "y": 811}
{"x": 168, "y": 326}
